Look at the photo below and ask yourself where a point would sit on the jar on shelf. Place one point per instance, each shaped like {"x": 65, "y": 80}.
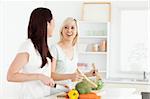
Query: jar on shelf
{"x": 95, "y": 47}
{"x": 103, "y": 46}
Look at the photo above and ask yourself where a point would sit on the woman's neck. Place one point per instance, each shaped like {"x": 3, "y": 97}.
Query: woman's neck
{"x": 66, "y": 44}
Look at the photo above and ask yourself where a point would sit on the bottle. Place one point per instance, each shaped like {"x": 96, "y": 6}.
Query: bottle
{"x": 98, "y": 76}
{"x": 103, "y": 46}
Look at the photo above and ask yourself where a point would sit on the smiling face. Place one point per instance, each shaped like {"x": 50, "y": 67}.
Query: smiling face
{"x": 69, "y": 30}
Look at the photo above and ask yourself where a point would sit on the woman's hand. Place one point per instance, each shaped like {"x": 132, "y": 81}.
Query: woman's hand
{"x": 46, "y": 80}
{"x": 76, "y": 76}
{"x": 91, "y": 73}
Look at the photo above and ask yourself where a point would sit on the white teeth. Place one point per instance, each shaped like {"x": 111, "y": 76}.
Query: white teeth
{"x": 69, "y": 34}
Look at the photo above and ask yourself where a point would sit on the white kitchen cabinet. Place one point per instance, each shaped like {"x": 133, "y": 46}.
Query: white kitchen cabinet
{"x": 96, "y": 11}
{"x": 93, "y": 45}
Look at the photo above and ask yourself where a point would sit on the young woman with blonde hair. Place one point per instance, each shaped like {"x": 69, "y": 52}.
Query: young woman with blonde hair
{"x": 65, "y": 57}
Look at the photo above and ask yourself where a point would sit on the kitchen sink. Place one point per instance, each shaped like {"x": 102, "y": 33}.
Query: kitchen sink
{"x": 128, "y": 80}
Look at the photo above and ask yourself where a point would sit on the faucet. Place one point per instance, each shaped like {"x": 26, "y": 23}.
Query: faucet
{"x": 145, "y": 76}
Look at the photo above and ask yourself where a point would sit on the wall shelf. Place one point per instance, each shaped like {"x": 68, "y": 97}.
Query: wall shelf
{"x": 93, "y": 31}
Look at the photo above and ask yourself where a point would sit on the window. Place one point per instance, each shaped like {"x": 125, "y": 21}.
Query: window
{"x": 134, "y": 40}
{"x": 129, "y": 39}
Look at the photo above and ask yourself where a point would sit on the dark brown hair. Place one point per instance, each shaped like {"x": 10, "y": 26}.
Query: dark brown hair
{"x": 37, "y": 31}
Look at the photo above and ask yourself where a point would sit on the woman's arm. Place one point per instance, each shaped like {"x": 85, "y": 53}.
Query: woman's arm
{"x": 14, "y": 74}
{"x": 58, "y": 77}
{"x": 74, "y": 76}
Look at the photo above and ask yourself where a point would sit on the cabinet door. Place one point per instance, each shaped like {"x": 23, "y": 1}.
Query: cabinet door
{"x": 97, "y": 11}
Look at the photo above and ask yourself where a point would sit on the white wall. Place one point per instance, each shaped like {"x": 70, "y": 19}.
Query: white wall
{"x": 15, "y": 17}
{"x": 61, "y": 10}
{"x": 1, "y": 42}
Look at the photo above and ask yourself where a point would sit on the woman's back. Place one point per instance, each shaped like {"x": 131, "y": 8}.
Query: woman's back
{"x": 34, "y": 89}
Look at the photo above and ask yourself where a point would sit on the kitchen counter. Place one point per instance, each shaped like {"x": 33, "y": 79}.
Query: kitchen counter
{"x": 123, "y": 89}
{"x": 54, "y": 96}
{"x": 111, "y": 93}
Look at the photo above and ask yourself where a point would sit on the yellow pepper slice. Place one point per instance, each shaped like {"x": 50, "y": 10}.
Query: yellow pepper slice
{"x": 73, "y": 94}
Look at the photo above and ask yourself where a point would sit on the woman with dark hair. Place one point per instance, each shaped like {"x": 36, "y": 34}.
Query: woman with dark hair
{"x": 32, "y": 64}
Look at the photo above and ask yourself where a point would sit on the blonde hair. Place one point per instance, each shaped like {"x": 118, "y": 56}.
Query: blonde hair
{"x": 66, "y": 21}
